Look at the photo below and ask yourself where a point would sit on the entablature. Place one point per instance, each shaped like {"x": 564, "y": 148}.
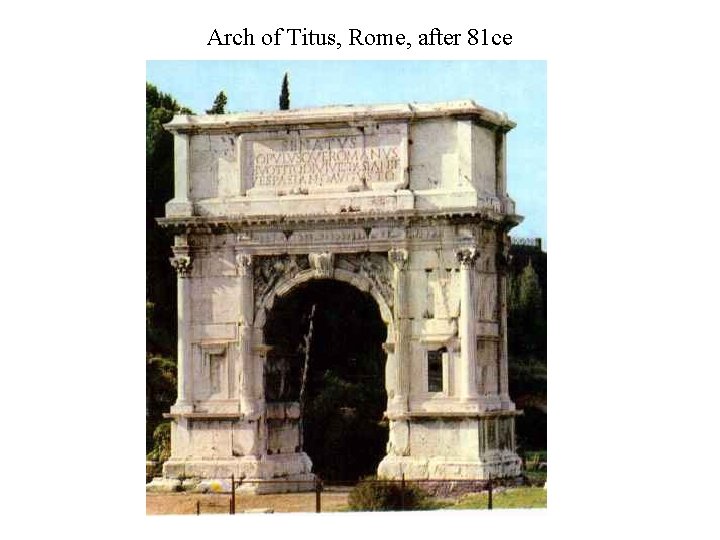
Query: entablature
{"x": 401, "y": 220}
{"x": 342, "y": 115}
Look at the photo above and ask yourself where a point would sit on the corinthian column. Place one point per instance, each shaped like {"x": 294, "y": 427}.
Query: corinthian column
{"x": 468, "y": 342}
{"x": 399, "y": 401}
{"x": 182, "y": 263}
{"x": 245, "y": 320}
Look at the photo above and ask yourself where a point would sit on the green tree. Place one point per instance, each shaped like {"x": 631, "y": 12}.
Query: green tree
{"x": 219, "y": 104}
{"x": 160, "y": 280}
{"x": 527, "y": 314}
{"x": 285, "y": 94}
{"x": 527, "y": 347}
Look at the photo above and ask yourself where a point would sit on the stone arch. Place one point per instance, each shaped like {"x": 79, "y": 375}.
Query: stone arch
{"x": 385, "y": 383}
{"x": 359, "y": 281}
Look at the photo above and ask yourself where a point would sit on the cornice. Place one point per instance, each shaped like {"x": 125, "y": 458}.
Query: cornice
{"x": 342, "y": 115}
{"x": 404, "y": 218}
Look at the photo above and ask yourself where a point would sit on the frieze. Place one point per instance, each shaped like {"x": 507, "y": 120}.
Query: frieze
{"x": 424, "y": 233}
{"x": 268, "y": 237}
{"x": 327, "y": 236}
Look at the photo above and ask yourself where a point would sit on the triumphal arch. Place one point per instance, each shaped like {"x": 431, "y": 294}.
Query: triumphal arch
{"x": 407, "y": 203}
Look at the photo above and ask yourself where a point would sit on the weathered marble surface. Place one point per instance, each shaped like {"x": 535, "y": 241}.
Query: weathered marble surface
{"x": 405, "y": 202}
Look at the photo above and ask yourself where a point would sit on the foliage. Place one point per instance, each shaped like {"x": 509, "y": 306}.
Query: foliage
{"x": 535, "y": 457}
{"x": 535, "y": 468}
{"x": 285, "y": 94}
{"x": 160, "y": 284}
{"x": 160, "y": 281}
{"x": 531, "y": 429}
{"x": 219, "y": 104}
{"x": 371, "y": 495}
{"x": 160, "y": 393}
{"x": 527, "y": 326}
{"x": 527, "y": 344}
{"x": 341, "y": 416}
{"x": 528, "y": 375}
{"x": 536, "y": 477}
{"x": 161, "y": 443}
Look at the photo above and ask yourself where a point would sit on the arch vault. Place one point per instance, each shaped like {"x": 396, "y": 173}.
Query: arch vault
{"x": 405, "y": 202}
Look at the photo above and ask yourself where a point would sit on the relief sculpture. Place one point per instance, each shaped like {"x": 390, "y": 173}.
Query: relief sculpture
{"x": 373, "y": 266}
{"x": 267, "y": 272}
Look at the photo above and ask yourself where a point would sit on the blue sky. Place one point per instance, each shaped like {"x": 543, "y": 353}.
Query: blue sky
{"x": 517, "y": 87}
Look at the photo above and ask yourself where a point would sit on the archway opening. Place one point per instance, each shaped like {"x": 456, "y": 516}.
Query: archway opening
{"x": 343, "y": 395}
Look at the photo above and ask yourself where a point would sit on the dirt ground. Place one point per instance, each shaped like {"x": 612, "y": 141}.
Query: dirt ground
{"x": 333, "y": 499}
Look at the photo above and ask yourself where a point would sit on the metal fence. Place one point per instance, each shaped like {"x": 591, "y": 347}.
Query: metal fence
{"x": 525, "y": 241}
{"x": 437, "y": 487}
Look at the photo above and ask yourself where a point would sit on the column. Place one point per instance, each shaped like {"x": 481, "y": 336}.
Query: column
{"x": 466, "y": 327}
{"x": 244, "y": 264}
{"x": 182, "y": 263}
{"x": 398, "y": 259}
{"x": 502, "y": 269}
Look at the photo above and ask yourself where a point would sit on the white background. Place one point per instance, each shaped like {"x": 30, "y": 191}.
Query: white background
{"x": 633, "y": 297}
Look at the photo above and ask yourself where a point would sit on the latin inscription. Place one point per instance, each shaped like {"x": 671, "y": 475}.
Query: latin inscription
{"x": 332, "y": 161}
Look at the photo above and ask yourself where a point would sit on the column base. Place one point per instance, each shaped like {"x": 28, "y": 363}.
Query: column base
{"x": 500, "y": 464}
{"x": 279, "y": 473}
{"x": 182, "y": 407}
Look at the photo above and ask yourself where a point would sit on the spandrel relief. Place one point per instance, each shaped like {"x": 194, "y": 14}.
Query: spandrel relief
{"x": 373, "y": 266}
{"x": 269, "y": 270}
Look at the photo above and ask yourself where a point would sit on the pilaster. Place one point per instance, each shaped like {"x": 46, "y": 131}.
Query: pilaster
{"x": 398, "y": 403}
{"x": 244, "y": 264}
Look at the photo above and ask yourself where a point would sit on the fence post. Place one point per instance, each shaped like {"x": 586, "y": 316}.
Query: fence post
{"x": 490, "y": 488}
{"x": 232, "y": 494}
{"x": 318, "y": 490}
{"x": 197, "y": 507}
{"x": 402, "y": 491}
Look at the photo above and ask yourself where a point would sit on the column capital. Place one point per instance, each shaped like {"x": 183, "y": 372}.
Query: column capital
{"x": 244, "y": 263}
{"x": 467, "y": 256}
{"x": 181, "y": 264}
{"x": 398, "y": 257}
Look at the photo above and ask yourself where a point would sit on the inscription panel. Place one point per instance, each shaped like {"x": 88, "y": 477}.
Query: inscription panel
{"x": 307, "y": 161}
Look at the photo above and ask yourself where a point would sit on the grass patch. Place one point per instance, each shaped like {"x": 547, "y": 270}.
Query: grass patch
{"x": 523, "y": 497}
{"x": 536, "y": 478}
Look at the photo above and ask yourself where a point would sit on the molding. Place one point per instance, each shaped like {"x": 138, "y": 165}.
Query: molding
{"x": 346, "y": 115}
{"x": 451, "y": 415}
{"x": 406, "y": 218}
{"x": 204, "y": 416}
